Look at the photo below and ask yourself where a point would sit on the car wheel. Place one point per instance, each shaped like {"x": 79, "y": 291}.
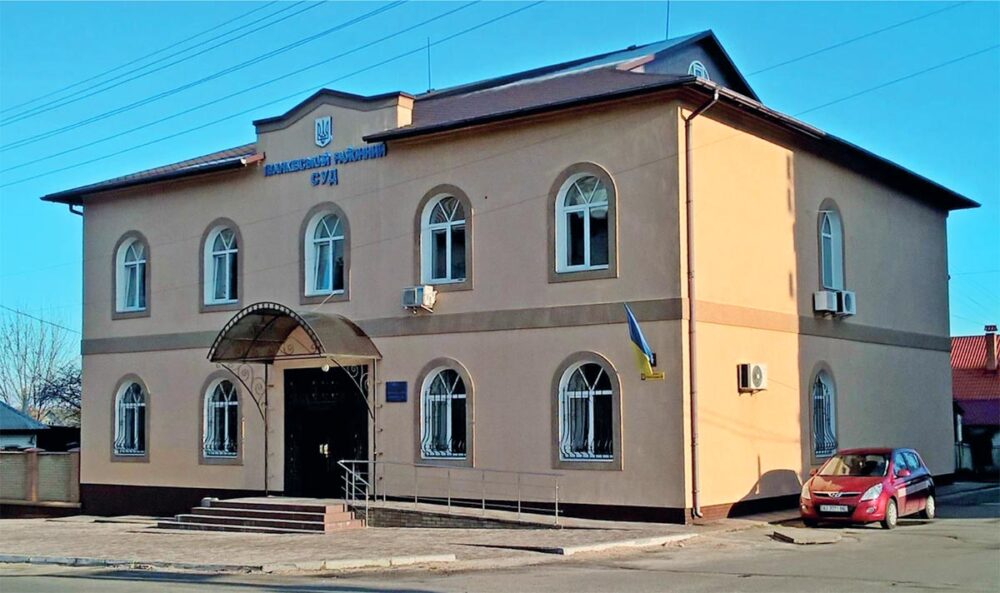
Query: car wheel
{"x": 891, "y": 515}
{"x": 931, "y": 509}
{"x": 810, "y": 522}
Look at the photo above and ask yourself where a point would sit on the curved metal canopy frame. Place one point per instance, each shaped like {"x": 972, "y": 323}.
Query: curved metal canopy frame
{"x": 260, "y": 333}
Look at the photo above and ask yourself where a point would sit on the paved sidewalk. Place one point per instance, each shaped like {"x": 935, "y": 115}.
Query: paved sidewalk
{"x": 62, "y": 541}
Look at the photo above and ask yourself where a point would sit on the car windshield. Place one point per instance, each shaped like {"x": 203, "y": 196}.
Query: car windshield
{"x": 858, "y": 465}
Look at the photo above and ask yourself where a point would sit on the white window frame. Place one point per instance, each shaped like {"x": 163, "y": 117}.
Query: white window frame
{"x": 427, "y": 230}
{"x": 565, "y": 397}
{"x": 562, "y": 212}
{"x": 832, "y": 253}
{"x": 823, "y": 397}
{"x": 122, "y": 417}
{"x": 311, "y": 248}
{"x": 125, "y": 270}
{"x": 696, "y": 68}
{"x": 209, "y": 430}
{"x": 231, "y": 255}
{"x": 427, "y": 438}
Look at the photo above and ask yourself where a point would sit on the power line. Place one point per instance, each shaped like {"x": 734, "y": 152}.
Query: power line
{"x": 139, "y": 59}
{"x": 853, "y": 39}
{"x": 215, "y": 75}
{"x": 907, "y": 77}
{"x": 286, "y": 97}
{"x": 39, "y": 319}
{"x": 68, "y": 100}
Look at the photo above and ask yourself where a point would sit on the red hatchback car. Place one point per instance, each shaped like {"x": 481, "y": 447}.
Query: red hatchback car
{"x": 868, "y": 485}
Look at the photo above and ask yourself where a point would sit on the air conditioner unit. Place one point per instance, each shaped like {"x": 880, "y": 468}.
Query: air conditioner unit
{"x": 825, "y": 301}
{"x": 751, "y": 376}
{"x": 846, "y": 303}
{"x": 419, "y": 297}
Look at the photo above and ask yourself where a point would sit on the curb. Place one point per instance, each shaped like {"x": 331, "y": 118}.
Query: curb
{"x": 622, "y": 544}
{"x": 315, "y": 565}
{"x": 357, "y": 563}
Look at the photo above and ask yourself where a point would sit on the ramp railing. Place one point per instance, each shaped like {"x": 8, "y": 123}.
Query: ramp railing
{"x": 451, "y": 487}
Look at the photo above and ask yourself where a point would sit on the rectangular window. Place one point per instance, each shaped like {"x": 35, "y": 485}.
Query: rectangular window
{"x": 458, "y": 253}
{"x": 599, "y": 236}
{"x": 457, "y": 426}
{"x": 322, "y": 268}
{"x": 439, "y": 254}
{"x": 828, "y": 262}
{"x": 337, "y": 256}
{"x": 575, "y": 242}
{"x": 603, "y": 439}
{"x": 220, "y": 277}
{"x": 233, "y": 277}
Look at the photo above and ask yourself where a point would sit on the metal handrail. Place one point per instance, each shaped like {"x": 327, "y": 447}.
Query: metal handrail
{"x": 358, "y": 485}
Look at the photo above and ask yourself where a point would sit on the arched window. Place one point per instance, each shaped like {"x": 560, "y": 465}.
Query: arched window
{"x": 325, "y": 254}
{"x": 222, "y": 420}
{"x": 582, "y": 224}
{"x": 443, "y": 241}
{"x": 221, "y": 266}
{"x": 824, "y": 416}
{"x": 131, "y": 275}
{"x": 130, "y": 420}
{"x": 586, "y": 413}
{"x": 443, "y": 415}
{"x": 698, "y": 69}
{"x": 831, "y": 250}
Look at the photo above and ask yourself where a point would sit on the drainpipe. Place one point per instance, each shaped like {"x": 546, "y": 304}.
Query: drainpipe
{"x": 77, "y": 212}
{"x": 692, "y": 336}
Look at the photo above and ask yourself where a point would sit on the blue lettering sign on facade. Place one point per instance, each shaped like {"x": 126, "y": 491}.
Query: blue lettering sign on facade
{"x": 325, "y": 159}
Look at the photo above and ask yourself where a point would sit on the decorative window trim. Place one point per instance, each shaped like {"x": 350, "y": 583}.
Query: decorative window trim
{"x": 117, "y": 281}
{"x": 205, "y": 269}
{"x": 556, "y": 194}
{"x": 615, "y": 463}
{"x": 312, "y": 218}
{"x": 828, "y": 210}
{"x": 696, "y": 68}
{"x": 822, "y": 370}
{"x": 426, "y": 374}
{"x": 119, "y": 391}
{"x": 423, "y": 210}
{"x": 206, "y": 389}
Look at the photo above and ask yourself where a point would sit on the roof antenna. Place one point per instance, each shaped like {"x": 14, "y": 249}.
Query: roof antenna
{"x": 667, "y": 32}
{"x": 429, "y": 87}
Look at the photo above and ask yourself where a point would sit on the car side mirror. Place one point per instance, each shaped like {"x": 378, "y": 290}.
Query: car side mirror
{"x": 813, "y": 472}
{"x": 903, "y": 473}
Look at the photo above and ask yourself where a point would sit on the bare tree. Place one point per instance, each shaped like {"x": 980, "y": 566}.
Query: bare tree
{"x": 60, "y": 396}
{"x": 32, "y": 355}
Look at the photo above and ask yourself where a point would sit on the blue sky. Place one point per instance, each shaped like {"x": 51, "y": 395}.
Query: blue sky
{"x": 943, "y": 123}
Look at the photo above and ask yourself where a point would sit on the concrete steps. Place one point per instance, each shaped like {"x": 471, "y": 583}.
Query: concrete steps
{"x": 256, "y": 516}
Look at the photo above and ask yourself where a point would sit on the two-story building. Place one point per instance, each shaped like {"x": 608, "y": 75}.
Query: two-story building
{"x": 245, "y": 328}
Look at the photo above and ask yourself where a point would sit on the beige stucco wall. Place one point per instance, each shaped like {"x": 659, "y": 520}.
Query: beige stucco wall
{"x": 757, "y": 203}
{"x": 756, "y": 270}
{"x": 512, "y": 370}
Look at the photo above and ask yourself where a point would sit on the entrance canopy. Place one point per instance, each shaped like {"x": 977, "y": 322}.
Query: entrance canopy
{"x": 265, "y": 331}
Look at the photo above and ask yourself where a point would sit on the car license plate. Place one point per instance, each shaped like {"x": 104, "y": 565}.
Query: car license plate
{"x": 833, "y": 508}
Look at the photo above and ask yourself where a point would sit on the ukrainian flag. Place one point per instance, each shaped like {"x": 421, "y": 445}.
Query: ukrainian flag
{"x": 643, "y": 353}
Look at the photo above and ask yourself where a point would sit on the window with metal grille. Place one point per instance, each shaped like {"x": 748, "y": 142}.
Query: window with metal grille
{"x": 443, "y": 239}
{"x": 222, "y": 420}
{"x": 586, "y": 419}
{"x": 582, "y": 240}
{"x": 443, "y": 415}
{"x": 824, "y": 420}
{"x": 130, "y": 420}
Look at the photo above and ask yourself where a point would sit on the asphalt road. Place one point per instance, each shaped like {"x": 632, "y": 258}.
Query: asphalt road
{"x": 958, "y": 552}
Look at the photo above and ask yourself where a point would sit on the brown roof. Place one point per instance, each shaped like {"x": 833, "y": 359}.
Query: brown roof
{"x": 969, "y": 378}
{"x": 229, "y": 158}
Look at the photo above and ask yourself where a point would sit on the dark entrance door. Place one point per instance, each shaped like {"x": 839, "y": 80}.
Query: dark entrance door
{"x": 326, "y": 420}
